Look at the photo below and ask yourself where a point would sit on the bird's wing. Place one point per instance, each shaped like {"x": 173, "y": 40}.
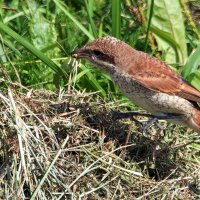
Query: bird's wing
{"x": 156, "y": 75}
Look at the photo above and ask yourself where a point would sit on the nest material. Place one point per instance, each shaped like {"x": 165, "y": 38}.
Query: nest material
{"x": 68, "y": 146}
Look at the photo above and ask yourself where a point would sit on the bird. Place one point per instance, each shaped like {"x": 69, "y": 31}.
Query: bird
{"x": 147, "y": 81}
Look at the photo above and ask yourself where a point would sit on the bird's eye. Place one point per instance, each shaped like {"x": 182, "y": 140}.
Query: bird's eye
{"x": 97, "y": 53}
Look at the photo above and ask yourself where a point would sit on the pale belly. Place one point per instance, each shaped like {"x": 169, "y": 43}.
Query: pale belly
{"x": 157, "y": 103}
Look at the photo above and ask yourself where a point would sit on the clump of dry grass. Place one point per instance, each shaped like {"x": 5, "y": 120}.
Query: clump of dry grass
{"x": 68, "y": 146}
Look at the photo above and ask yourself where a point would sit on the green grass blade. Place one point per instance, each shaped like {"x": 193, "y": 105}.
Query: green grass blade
{"x": 63, "y": 7}
{"x": 93, "y": 81}
{"x": 11, "y": 46}
{"x": 14, "y": 16}
{"x": 149, "y": 23}
{"x": 31, "y": 48}
{"x": 3, "y": 58}
{"x": 89, "y": 8}
{"x": 194, "y": 79}
{"x": 1, "y": 5}
{"x": 192, "y": 63}
{"x": 79, "y": 75}
{"x": 165, "y": 36}
{"x": 116, "y": 18}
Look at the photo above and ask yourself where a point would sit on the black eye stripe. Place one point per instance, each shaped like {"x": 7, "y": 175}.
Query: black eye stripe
{"x": 102, "y": 56}
{"x": 97, "y": 53}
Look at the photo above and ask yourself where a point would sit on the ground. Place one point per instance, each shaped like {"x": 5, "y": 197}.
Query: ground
{"x": 68, "y": 145}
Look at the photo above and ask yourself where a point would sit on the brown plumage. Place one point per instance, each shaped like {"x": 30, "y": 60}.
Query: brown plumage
{"x": 147, "y": 81}
{"x": 156, "y": 75}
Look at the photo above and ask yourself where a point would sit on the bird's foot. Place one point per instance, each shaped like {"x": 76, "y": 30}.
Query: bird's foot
{"x": 149, "y": 123}
{"x": 154, "y": 120}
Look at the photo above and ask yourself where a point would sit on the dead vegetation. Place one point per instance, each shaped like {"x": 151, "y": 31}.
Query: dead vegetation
{"x": 68, "y": 146}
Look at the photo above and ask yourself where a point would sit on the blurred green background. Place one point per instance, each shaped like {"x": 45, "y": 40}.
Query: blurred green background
{"x": 36, "y": 38}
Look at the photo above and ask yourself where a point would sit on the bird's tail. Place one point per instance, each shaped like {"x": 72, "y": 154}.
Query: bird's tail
{"x": 194, "y": 121}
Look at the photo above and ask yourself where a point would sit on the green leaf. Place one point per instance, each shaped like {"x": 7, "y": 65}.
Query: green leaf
{"x": 192, "y": 63}
{"x": 167, "y": 17}
{"x": 43, "y": 32}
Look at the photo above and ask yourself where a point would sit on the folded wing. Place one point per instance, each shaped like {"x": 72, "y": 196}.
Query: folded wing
{"x": 156, "y": 75}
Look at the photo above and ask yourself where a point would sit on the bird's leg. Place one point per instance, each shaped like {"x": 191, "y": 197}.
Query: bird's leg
{"x": 129, "y": 114}
{"x": 171, "y": 116}
{"x": 124, "y": 115}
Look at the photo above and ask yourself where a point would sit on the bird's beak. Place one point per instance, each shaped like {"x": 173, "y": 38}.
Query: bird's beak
{"x": 80, "y": 53}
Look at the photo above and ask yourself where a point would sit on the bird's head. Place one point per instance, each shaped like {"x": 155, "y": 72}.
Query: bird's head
{"x": 108, "y": 53}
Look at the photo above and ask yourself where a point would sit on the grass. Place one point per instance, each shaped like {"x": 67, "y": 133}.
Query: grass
{"x": 52, "y": 29}
{"x": 67, "y": 145}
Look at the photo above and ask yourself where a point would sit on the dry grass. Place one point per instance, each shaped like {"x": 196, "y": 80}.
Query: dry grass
{"x": 68, "y": 146}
